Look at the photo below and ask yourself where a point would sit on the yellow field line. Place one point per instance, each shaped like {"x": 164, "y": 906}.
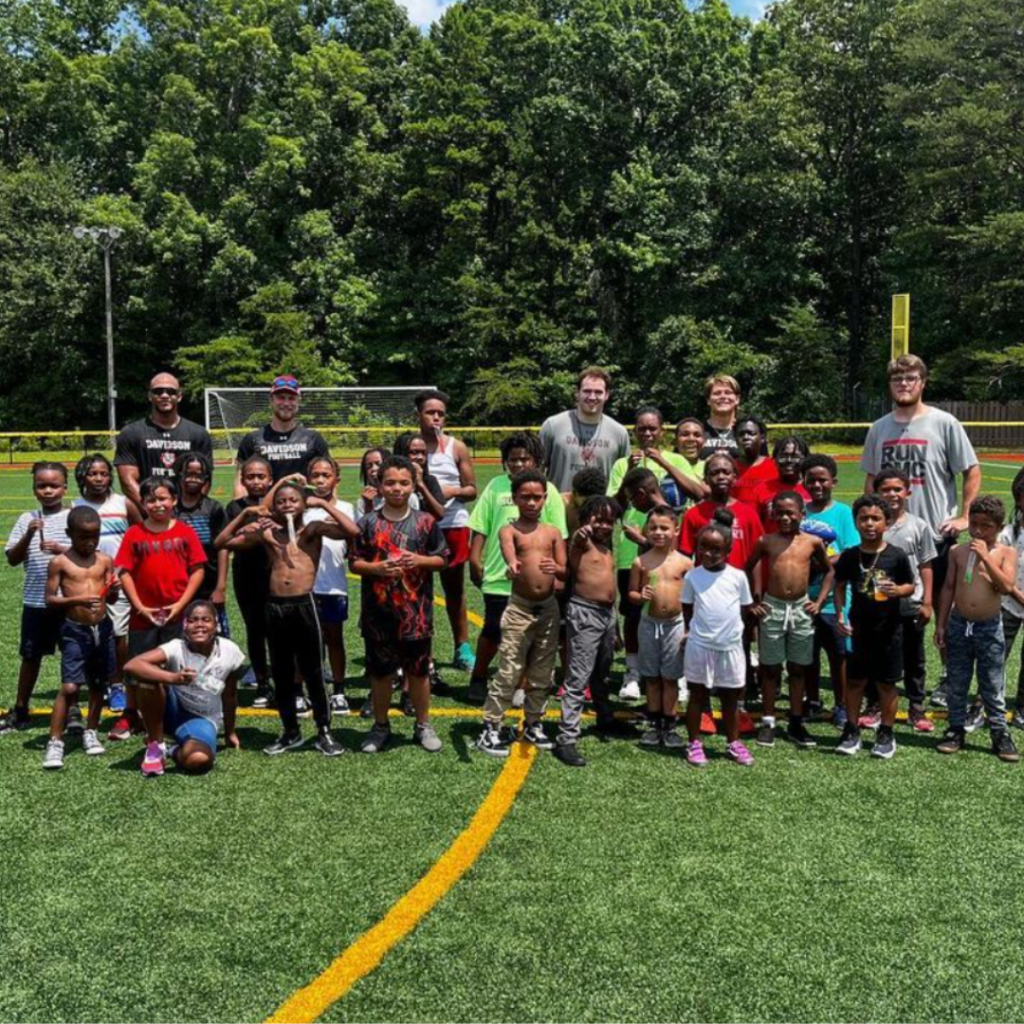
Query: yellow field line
{"x": 366, "y": 953}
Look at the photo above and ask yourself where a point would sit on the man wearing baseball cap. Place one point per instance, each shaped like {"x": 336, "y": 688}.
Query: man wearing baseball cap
{"x": 284, "y": 442}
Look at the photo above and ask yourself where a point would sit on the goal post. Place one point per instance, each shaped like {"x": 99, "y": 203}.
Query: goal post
{"x": 349, "y": 418}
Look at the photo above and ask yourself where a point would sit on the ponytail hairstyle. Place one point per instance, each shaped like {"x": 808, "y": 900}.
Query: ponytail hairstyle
{"x": 721, "y": 523}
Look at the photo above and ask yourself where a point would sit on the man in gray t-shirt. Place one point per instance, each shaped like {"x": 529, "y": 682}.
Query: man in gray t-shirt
{"x": 930, "y": 446}
{"x": 583, "y": 437}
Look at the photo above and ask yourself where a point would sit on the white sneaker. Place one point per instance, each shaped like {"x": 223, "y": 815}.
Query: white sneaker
{"x": 91, "y": 743}
{"x": 54, "y": 756}
{"x": 302, "y": 708}
{"x": 519, "y": 698}
{"x": 339, "y": 704}
{"x": 630, "y": 686}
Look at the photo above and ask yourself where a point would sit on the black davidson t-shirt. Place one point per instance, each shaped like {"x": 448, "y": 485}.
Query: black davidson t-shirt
{"x": 288, "y": 453}
{"x": 154, "y": 449}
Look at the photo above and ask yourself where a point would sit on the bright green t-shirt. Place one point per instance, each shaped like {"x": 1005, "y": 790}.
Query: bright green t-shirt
{"x": 495, "y": 509}
{"x": 625, "y": 549}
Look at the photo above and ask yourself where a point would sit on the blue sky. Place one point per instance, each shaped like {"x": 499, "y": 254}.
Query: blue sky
{"x": 423, "y": 12}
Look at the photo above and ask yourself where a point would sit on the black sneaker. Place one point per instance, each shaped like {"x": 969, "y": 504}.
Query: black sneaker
{"x": 885, "y": 743}
{"x": 327, "y": 744}
{"x": 438, "y": 687}
{"x": 492, "y": 742}
{"x": 670, "y": 739}
{"x": 366, "y": 711}
{"x": 1003, "y": 748}
{"x": 797, "y": 734}
{"x": 285, "y": 742}
{"x": 264, "y": 697}
{"x": 850, "y": 743}
{"x": 952, "y": 741}
{"x": 651, "y": 736}
{"x": 975, "y": 718}
{"x": 765, "y": 735}
{"x": 15, "y": 719}
{"x": 611, "y": 726}
{"x": 533, "y": 732}
{"x": 376, "y": 739}
{"x": 568, "y": 754}
{"x": 477, "y": 692}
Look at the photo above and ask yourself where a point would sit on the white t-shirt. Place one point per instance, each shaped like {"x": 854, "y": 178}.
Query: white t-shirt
{"x": 203, "y": 697}
{"x": 1006, "y": 537}
{"x": 331, "y": 575}
{"x": 716, "y": 598}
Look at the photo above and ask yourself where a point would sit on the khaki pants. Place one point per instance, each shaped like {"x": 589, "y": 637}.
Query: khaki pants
{"x": 529, "y": 644}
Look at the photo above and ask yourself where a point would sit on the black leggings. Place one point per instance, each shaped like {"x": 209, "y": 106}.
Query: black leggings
{"x": 296, "y": 641}
{"x": 252, "y": 603}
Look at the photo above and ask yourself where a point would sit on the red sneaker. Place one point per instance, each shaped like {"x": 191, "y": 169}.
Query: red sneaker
{"x": 707, "y": 724}
{"x": 127, "y": 725}
{"x": 920, "y": 722}
{"x": 872, "y": 719}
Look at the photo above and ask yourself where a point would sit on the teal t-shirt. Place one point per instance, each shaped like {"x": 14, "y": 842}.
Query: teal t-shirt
{"x": 495, "y": 509}
{"x": 834, "y": 525}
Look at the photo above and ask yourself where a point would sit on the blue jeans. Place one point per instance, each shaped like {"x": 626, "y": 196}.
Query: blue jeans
{"x": 969, "y": 643}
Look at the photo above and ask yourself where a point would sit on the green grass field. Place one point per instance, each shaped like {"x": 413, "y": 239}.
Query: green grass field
{"x": 808, "y": 888}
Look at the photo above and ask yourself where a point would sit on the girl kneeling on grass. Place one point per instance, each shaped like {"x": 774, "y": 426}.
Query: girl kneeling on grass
{"x": 715, "y": 595}
{"x": 189, "y": 687}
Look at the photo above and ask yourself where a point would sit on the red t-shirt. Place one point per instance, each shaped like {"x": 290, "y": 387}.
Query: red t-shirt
{"x": 750, "y": 479}
{"x": 746, "y": 528}
{"x": 763, "y": 500}
{"x": 160, "y": 564}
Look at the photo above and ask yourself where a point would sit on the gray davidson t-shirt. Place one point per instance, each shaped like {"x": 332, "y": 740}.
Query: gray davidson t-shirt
{"x": 571, "y": 445}
{"x": 933, "y": 450}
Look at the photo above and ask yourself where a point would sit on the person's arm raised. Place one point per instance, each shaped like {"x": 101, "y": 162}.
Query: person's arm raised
{"x": 342, "y": 528}
{"x": 231, "y": 539}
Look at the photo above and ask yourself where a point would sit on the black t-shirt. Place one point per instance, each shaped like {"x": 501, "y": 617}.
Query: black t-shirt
{"x": 287, "y": 453}
{"x": 719, "y": 440}
{"x": 250, "y": 567}
{"x": 862, "y": 571}
{"x": 207, "y": 518}
{"x": 154, "y": 449}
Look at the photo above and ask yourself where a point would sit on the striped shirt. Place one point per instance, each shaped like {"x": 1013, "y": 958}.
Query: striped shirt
{"x": 113, "y": 513}
{"x": 37, "y": 561}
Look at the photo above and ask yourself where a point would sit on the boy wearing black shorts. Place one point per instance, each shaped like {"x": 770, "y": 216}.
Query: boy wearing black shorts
{"x": 397, "y": 551}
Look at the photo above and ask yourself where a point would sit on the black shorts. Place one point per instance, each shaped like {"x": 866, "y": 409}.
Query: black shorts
{"x": 877, "y": 657}
{"x": 385, "y": 656}
{"x": 142, "y": 640}
{"x": 87, "y": 654}
{"x": 494, "y": 608}
{"x": 629, "y": 611}
{"x": 40, "y": 631}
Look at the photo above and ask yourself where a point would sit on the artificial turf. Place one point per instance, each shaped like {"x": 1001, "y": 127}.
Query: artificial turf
{"x": 809, "y": 887}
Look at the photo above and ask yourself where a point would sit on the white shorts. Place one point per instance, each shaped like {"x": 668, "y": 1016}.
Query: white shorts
{"x": 118, "y": 613}
{"x": 720, "y": 670}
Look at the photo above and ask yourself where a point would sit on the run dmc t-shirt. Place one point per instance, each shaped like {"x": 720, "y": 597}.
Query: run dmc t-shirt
{"x": 288, "y": 453}
{"x": 154, "y": 449}
{"x": 932, "y": 450}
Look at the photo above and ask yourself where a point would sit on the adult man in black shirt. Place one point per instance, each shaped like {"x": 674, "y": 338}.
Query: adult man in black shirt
{"x": 150, "y": 446}
{"x": 284, "y": 442}
{"x": 723, "y": 395}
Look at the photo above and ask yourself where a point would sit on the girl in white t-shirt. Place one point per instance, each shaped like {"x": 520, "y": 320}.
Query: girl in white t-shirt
{"x": 189, "y": 688}
{"x": 715, "y": 595}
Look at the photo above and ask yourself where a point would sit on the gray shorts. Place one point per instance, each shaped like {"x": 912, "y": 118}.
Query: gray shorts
{"x": 662, "y": 645}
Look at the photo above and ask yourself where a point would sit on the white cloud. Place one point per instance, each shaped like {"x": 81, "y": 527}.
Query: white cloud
{"x": 424, "y": 12}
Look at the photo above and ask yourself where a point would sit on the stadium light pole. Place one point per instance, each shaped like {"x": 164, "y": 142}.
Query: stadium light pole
{"x": 105, "y": 239}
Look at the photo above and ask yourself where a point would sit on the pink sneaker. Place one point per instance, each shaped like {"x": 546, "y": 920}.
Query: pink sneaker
{"x": 872, "y": 719}
{"x": 739, "y": 753}
{"x": 153, "y": 759}
{"x": 695, "y": 754}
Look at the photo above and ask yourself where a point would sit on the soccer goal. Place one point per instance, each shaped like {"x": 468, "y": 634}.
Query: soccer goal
{"x": 347, "y": 417}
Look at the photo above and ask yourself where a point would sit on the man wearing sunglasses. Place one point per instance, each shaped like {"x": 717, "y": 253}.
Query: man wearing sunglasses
{"x": 932, "y": 448}
{"x": 284, "y": 442}
{"x": 150, "y": 446}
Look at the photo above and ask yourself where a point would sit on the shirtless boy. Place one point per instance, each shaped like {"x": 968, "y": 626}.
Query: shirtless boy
{"x": 786, "y": 613}
{"x": 294, "y": 635}
{"x": 535, "y": 555}
{"x": 970, "y": 626}
{"x": 656, "y": 585}
{"x": 80, "y": 583}
{"x": 590, "y": 624}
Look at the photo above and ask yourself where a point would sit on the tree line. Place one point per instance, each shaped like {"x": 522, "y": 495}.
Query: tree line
{"x": 665, "y": 188}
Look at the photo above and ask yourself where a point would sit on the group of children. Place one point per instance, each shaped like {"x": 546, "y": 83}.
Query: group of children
{"x": 718, "y": 551}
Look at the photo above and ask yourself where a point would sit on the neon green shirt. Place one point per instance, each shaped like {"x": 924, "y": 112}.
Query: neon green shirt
{"x": 495, "y": 509}
{"x": 625, "y": 549}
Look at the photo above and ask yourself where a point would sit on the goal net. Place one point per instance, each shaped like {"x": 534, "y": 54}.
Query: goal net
{"x": 351, "y": 419}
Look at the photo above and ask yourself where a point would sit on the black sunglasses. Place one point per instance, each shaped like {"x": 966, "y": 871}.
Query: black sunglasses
{"x": 163, "y": 391}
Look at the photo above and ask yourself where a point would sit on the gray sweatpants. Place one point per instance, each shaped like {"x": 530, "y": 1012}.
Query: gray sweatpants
{"x": 590, "y": 637}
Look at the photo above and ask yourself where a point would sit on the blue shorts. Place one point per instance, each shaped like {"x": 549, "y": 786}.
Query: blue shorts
{"x": 87, "y": 653}
{"x": 332, "y": 608}
{"x": 40, "y": 631}
{"x": 183, "y": 725}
